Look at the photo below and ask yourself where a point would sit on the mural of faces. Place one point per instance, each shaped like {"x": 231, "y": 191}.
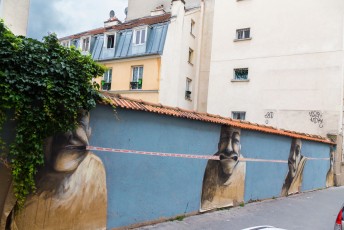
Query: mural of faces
{"x": 296, "y": 163}
{"x": 223, "y": 181}
{"x": 71, "y": 188}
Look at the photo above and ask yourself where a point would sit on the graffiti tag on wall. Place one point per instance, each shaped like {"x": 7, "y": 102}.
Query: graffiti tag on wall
{"x": 316, "y": 118}
{"x": 268, "y": 116}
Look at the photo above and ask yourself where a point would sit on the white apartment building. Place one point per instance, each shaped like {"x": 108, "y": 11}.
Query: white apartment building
{"x": 277, "y": 62}
{"x": 15, "y": 14}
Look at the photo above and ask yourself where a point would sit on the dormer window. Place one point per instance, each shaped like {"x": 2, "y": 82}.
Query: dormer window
{"x": 110, "y": 41}
{"x": 65, "y": 43}
{"x": 85, "y": 44}
{"x": 140, "y": 36}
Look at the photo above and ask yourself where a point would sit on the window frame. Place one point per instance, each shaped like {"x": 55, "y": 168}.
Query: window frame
{"x": 192, "y": 27}
{"x": 107, "y": 79}
{"x": 243, "y": 31}
{"x": 188, "y": 87}
{"x": 106, "y": 35}
{"x": 191, "y": 55}
{"x": 234, "y": 113}
{"x": 65, "y": 43}
{"x": 140, "y": 34}
{"x": 136, "y": 85}
{"x": 88, "y": 44}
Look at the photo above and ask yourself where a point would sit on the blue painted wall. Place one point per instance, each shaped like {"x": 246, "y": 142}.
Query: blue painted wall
{"x": 143, "y": 188}
{"x": 314, "y": 173}
{"x": 264, "y": 180}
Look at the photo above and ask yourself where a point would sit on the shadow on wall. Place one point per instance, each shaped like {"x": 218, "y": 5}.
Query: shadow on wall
{"x": 71, "y": 187}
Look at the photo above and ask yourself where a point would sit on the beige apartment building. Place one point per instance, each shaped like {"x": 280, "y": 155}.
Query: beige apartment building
{"x": 154, "y": 55}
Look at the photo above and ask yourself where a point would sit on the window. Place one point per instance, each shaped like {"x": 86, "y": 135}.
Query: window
{"x": 188, "y": 89}
{"x": 139, "y": 36}
{"x": 85, "y": 44}
{"x": 136, "y": 83}
{"x": 110, "y": 41}
{"x": 242, "y": 34}
{"x": 75, "y": 43}
{"x": 192, "y": 28}
{"x": 241, "y": 74}
{"x": 190, "y": 59}
{"x": 65, "y": 43}
{"x": 238, "y": 115}
{"x": 107, "y": 79}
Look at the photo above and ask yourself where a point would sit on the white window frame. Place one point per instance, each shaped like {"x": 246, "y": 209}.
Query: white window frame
{"x": 82, "y": 44}
{"x": 192, "y": 27}
{"x": 240, "y": 69}
{"x": 107, "y": 76}
{"x": 65, "y": 43}
{"x": 240, "y": 113}
{"x": 107, "y": 79}
{"x": 140, "y": 39}
{"x": 106, "y": 40}
{"x": 137, "y": 78}
{"x": 241, "y": 34}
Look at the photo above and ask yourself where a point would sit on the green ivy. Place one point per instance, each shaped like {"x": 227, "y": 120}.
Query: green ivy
{"x": 45, "y": 85}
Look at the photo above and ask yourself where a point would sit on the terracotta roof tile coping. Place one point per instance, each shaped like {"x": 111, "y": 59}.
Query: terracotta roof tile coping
{"x": 135, "y": 104}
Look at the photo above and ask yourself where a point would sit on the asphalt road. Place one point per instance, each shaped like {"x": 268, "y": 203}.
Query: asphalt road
{"x": 310, "y": 210}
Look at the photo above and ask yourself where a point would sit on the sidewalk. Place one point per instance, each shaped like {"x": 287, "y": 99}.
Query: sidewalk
{"x": 310, "y": 210}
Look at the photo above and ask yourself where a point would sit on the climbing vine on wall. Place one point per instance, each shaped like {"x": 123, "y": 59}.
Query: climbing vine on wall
{"x": 44, "y": 85}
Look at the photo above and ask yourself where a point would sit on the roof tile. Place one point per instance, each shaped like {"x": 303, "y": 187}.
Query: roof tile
{"x": 127, "y": 103}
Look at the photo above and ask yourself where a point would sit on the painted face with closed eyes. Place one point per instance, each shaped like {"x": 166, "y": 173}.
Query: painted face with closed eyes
{"x": 229, "y": 149}
{"x": 67, "y": 150}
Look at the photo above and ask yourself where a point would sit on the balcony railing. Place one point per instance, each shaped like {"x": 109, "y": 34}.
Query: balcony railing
{"x": 106, "y": 85}
{"x": 135, "y": 85}
{"x": 187, "y": 94}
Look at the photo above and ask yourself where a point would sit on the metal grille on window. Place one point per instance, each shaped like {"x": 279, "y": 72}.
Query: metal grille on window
{"x": 241, "y": 74}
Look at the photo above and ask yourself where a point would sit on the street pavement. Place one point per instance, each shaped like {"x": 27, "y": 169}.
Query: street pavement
{"x": 305, "y": 211}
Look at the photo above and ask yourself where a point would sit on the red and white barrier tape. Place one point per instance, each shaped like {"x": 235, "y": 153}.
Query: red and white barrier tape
{"x": 153, "y": 153}
{"x": 190, "y": 156}
{"x": 321, "y": 159}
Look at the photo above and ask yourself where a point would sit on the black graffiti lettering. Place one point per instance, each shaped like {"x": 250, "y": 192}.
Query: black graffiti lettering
{"x": 316, "y": 118}
{"x": 269, "y": 115}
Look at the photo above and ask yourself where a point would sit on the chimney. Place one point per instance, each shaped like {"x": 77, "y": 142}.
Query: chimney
{"x": 177, "y": 6}
{"x": 112, "y": 21}
{"x": 159, "y": 10}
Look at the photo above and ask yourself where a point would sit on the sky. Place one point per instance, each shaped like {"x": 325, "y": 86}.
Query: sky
{"x": 67, "y": 17}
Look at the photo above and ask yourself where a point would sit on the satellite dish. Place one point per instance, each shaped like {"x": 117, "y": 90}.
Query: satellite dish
{"x": 126, "y": 10}
{"x": 112, "y": 14}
